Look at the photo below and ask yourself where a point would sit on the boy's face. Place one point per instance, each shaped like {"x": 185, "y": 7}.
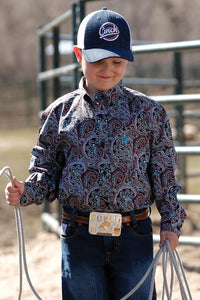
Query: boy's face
{"x": 101, "y": 75}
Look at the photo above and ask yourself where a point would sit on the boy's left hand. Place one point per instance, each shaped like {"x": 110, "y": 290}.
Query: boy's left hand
{"x": 171, "y": 237}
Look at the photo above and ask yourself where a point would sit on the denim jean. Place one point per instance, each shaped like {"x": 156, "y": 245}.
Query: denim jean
{"x": 103, "y": 267}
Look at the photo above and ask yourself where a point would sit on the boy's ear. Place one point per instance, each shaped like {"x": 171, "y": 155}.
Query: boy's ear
{"x": 78, "y": 54}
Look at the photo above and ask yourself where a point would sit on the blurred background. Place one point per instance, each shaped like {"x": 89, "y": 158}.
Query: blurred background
{"x": 151, "y": 21}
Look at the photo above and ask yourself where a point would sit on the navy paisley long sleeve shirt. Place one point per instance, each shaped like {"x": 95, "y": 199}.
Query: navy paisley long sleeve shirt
{"x": 113, "y": 153}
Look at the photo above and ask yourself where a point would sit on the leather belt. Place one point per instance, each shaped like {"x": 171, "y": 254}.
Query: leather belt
{"x": 125, "y": 219}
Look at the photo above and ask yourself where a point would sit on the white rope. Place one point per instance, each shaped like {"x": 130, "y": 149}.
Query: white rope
{"x": 173, "y": 257}
{"x": 20, "y": 237}
{"x": 175, "y": 264}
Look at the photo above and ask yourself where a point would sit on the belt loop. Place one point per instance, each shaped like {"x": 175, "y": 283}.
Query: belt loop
{"x": 149, "y": 211}
{"x": 134, "y": 221}
{"x": 72, "y": 217}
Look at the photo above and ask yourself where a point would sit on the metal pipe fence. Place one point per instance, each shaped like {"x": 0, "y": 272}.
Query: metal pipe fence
{"x": 55, "y": 23}
{"x": 58, "y": 73}
{"x": 168, "y": 47}
{"x": 152, "y": 48}
{"x": 186, "y": 198}
{"x": 178, "y": 99}
{"x": 188, "y": 150}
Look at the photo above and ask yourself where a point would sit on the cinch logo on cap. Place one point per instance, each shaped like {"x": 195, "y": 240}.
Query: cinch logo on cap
{"x": 109, "y": 31}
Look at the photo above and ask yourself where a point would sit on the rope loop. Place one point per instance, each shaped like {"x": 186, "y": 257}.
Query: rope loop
{"x": 172, "y": 256}
{"x": 175, "y": 264}
{"x": 20, "y": 237}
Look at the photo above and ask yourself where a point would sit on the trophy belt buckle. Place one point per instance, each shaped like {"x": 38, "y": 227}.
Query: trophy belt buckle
{"x": 106, "y": 224}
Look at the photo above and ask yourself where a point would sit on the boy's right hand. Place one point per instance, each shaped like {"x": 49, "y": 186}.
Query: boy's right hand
{"x": 13, "y": 194}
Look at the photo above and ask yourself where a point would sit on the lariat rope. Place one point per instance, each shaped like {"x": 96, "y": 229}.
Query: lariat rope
{"x": 20, "y": 237}
{"x": 175, "y": 261}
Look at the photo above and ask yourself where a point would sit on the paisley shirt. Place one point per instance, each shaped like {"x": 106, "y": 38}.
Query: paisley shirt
{"x": 113, "y": 153}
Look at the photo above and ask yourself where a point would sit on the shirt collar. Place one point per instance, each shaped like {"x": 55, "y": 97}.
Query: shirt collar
{"x": 108, "y": 97}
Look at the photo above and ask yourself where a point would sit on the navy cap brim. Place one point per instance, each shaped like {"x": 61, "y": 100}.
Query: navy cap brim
{"x": 96, "y": 54}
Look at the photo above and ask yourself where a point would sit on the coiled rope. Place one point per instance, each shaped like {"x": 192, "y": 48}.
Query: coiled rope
{"x": 175, "y": 264}
{"x": 20, "y": 237}
{"x": 175, "y": 261}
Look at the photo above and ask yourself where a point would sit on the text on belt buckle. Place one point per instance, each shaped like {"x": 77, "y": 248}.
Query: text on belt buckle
{"x": 108, "y": 224}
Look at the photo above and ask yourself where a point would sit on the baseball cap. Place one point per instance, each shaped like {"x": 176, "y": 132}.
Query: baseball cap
{"x": 103, "y": 34}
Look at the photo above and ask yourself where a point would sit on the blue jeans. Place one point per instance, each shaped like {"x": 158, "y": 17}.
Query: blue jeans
{"x": 106, "y": 268}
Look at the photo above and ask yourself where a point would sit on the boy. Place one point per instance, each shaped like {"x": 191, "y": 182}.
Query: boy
{"x": 106, "y": 153}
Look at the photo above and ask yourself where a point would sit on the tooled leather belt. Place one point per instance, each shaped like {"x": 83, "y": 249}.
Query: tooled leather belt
{"x": 125, "y": 219}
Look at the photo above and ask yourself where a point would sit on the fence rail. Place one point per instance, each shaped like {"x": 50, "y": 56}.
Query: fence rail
{"x": 186, "y": 198}
{"x": 51, "y": 30}
{"x": 178, "y": 99}
{"x": 188, "y": 150}
{"x": 54, "y": 226}
{"x": 57, "y": 72}
{"x": 186, "y": 240}
{"x": 55, "y": 23}
{"x": 167, "y": 47}
{"x": 172, "y": 47}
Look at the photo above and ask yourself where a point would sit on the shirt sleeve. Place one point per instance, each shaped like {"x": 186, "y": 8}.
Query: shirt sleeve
{"x": 163, "y": 163}
{"x": 45, "y": 165}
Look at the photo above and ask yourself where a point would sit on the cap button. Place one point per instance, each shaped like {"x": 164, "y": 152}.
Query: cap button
{"x": 104, "y": 8}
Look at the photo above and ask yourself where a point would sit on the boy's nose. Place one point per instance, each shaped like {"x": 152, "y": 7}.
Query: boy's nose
{"x": 106, "y": 67}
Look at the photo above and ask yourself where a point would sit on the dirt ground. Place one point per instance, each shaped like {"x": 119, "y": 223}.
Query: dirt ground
{"x": 43, "y": 257}
{"x": 43, "y": 248}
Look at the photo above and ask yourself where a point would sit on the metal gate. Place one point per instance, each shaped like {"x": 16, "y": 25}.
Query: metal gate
{"x": 59, "y": 73}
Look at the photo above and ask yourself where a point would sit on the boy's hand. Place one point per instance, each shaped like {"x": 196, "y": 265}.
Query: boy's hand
{"x": 171, "y": 237}
{"x": 13, "y": 194}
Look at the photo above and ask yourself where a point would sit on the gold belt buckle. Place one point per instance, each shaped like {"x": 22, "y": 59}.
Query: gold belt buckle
{"x": 108, "y": 224}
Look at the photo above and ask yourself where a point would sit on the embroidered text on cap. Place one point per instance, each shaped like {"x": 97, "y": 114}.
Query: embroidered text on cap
{"x": 109, "y": 31}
